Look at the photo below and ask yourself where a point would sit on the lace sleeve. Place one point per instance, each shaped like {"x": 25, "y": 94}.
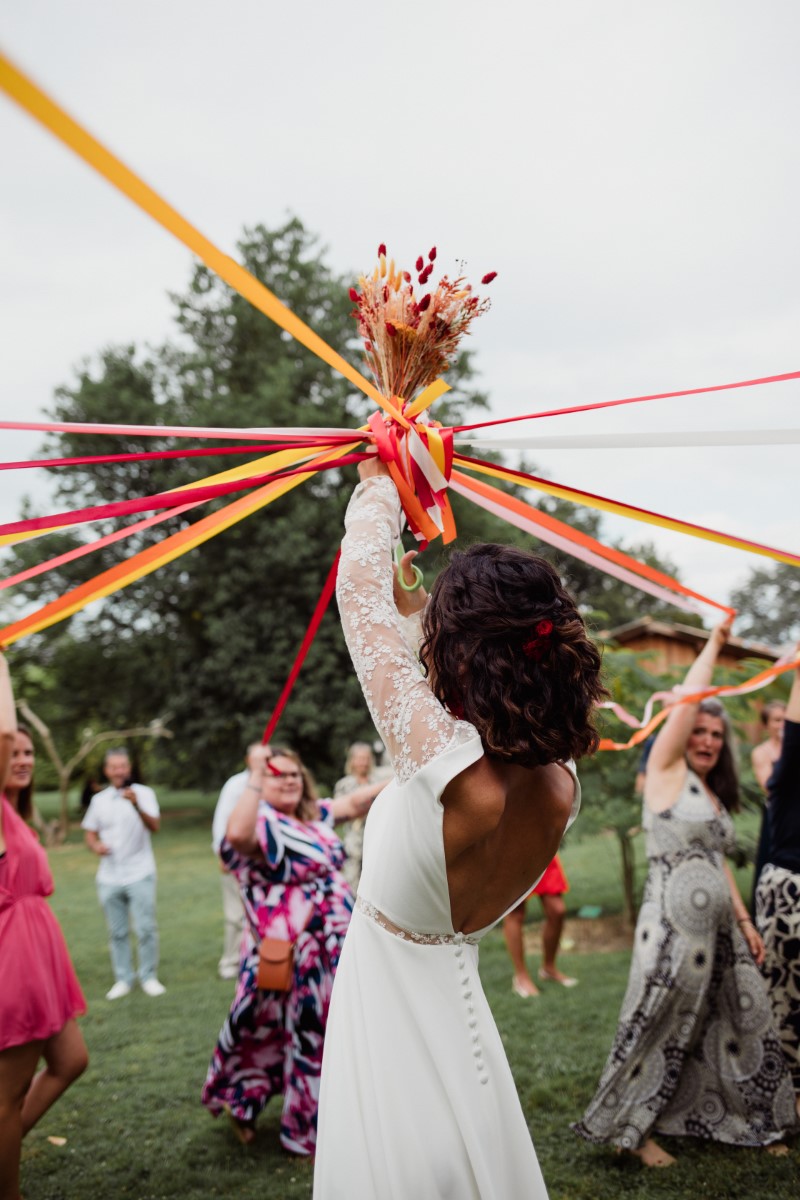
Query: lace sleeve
{"x": 413, "y": 725}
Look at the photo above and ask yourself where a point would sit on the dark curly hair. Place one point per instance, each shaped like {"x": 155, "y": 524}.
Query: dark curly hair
{"x": 505, "y": 647}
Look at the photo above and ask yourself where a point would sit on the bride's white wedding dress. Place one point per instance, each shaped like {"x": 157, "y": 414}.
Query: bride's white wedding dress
{"x": 417, "y": 1099}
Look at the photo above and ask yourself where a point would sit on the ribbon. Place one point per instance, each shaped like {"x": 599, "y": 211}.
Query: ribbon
{"x": 641, "y": 441}
{"x": 149, "y": 560}
{"x": 61, "y": 560}
{"x": 171, "y": 499}
{"x": 754, "y": 684}
{"x": 40, "y": 106}
{"x": 49, "y": 464}
{"x": 310, "y": 435}
{"x": 419, "y": 455}
{"x": 580, "y": 545}
{"x": 305, "y": 646}
{"x": 590, "y": 500}
{"x": 576, "y": 408}
{"x": 276, "y": 462}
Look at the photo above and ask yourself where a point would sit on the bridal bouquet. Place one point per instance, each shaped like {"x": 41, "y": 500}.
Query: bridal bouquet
{"x": 411, "y": 331}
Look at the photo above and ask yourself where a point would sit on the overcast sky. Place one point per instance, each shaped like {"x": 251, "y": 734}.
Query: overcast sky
{"x": 629, "y": 169}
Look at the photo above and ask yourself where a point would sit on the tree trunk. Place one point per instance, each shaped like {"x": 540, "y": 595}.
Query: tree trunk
{"x": 628, "y": 877}
{"x": 63, "y": 784}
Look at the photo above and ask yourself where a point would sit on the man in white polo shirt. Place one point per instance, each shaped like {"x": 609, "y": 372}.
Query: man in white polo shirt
{"x": 232, "y": 910}
{"x": 118, "y": 824}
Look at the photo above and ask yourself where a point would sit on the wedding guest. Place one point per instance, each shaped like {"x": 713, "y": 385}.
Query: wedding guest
{"x": 550, "y": 889}
{"x": 118, "y": 825}
{"x": 232, "y": 911}
{"x": 695, "y": 1053}
{"x": 40, "y": 997}
{"x": 281, "y": 847}
{"x": 778, "y": 890}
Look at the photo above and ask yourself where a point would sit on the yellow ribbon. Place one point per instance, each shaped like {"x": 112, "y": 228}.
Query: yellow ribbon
{"x": 635, "y": 514}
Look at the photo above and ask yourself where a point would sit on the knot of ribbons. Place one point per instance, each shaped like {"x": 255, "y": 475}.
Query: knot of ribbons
{"x": 419, "y": 455}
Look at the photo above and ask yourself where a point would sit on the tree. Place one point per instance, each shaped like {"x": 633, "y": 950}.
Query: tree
{"x": 769, "y": 605}
{"x": 210, "y": 638}
{"x": 91, "y": 740}
{"x": 608, "y": 778}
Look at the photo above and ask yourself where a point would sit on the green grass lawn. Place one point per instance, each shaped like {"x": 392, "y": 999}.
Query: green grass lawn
{"x": 134, "y": 1123}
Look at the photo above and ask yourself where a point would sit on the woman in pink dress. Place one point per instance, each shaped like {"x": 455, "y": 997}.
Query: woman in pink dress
{"x": 40, "y": 997}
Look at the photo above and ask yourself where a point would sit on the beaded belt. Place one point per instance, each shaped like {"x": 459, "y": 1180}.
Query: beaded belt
{"x": 425, "y": 939}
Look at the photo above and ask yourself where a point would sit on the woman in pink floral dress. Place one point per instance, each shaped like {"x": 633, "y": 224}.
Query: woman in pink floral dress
{"x": 281, "y": 846}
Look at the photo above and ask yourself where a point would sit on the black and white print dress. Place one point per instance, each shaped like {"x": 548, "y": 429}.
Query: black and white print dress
{"x": 778, "y": 920}
{"x": 696, "y": 1053}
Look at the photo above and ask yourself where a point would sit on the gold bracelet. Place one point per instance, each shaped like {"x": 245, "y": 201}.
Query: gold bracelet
{"x": 746, "y": 921}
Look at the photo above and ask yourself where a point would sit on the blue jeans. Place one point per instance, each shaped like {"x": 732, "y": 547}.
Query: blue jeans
{"x": 123, "y": 903}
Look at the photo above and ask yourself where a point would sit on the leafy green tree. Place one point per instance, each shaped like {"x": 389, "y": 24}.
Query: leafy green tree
{"x": 608, "y": 779}
{"x": 208, "y": 640}
{"x": 769, "y": 604}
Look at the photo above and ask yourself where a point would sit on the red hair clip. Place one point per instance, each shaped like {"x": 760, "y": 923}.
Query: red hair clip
{"x": 537, "y": 647}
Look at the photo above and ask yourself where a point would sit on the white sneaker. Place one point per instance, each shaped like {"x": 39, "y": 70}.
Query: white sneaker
{"x": 228, "y": 972}
{"x": 120, "y": 989}
{"x": 151, "y": 987}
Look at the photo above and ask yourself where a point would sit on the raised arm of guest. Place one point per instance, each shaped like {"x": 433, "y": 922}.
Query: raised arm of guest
{"x": 666, "y": 766}
{"x": 241, "y": 829}
{"x": 356, "y": 803}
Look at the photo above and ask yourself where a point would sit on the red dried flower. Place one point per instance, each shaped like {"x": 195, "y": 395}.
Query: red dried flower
{"x": 407, "y": 276}
{"x": 488, "y": 278}
{"x": 354, "y": 296}
{"x": 390, "y": 329}
{"x": 424, "y": 303}
{"x": 420, "y": 263}
{"x": 432, "y": 254}
{"x": 544, "y": 628}
{"x": 381, "y": 249}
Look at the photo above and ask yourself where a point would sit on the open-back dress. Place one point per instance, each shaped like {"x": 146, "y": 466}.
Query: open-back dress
{"x": 417, "y": 1098}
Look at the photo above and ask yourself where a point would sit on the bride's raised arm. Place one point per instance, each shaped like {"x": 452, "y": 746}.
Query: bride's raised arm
{"x": 413, "y": 725}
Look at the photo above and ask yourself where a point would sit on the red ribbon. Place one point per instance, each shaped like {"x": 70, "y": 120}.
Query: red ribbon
{"x": 174, "y": 499}
{"x": 319, "y": 612}
{"x": 196, "y": 452}
{"x": 560, "y": 412}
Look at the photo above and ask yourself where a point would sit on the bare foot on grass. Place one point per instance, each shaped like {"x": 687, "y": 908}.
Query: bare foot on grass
{"x": 523, "y": 985}
{"x": 651, "y": 1155}
{"x": 777, "y": 1149}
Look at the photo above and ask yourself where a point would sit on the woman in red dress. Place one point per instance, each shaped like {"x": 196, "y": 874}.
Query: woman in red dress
{"x": 550, "y": 889}
{"x": 40, "y": 997}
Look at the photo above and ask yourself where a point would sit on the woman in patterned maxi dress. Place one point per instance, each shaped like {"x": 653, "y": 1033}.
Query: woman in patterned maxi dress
{"x": 281, "y": 846}
{"x": 696, "y": 1053}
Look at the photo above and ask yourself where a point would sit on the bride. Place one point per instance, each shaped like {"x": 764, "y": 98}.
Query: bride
{"x": 417, "y": 1098}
